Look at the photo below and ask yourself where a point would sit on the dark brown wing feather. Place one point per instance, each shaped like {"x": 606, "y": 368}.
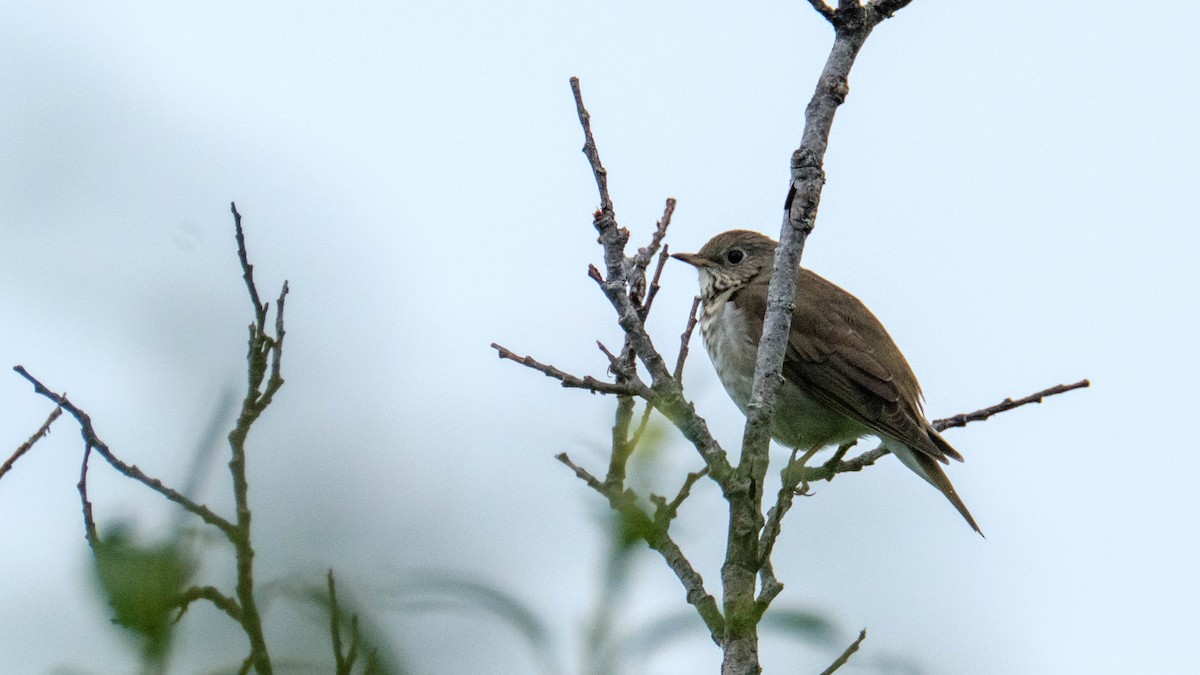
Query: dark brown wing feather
{"x": 841, "y": 355}
{"x": 830, "y": 355}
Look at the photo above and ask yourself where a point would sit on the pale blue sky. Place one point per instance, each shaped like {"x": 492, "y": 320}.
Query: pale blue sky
{"x": 1010, "y": 189}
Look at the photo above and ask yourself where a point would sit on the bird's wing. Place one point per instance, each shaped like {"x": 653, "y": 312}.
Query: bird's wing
{"x": 830, "y": 356}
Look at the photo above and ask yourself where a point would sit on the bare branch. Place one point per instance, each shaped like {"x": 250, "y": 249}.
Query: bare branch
{"x": 841, "y": 660}
{"x": 25, "y": 447}
{"x": 743, "y": 562}
{"x": 963, "y": 419}
{"x": 665, "y": 511}
{"x": 571, "y": 381}
{"x": 644, "y": 254}
{"x": 667, "y": 394}
{"x": 654, "y": 285}
{"x": 264, "y": 354}
{"x": 835, "y": 465}
{"x": 260, "y": 311}
{"x": 852, "y": 25}
{"x": 622, "y": 444}
{"x": 642, "y": 260}
{"x": 822, "y": 9}
{"x": 838, "y": 454}
{"x": 91, "y": 440}
{"x": 89, "y": 520}
{"x": 828, "y": 470}
{"x": 621, "y": 366}
{"x": 657, "y": 538}
{"x": 221, "y": 601}
{"x": 793, "y": 474}
{"x": 583, "y": 474}
{"x": 641, "y": 428}
{"x": 589, "y": 149}
{"x": 686, "y": 338}
{"x": 886, "y": 8}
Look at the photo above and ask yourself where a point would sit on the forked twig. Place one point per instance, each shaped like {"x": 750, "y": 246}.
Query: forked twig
{"x": 92, "y": 441}
{"x": 571, "y": 381}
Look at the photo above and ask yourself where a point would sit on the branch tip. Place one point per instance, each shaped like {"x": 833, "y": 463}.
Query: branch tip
{"x": 841, "y": 660}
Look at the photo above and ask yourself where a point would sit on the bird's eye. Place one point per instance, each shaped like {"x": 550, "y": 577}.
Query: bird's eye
{"x": 735, "y": 256}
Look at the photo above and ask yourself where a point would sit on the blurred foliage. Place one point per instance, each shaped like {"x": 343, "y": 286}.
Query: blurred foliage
{"x": 142, "y": 583}
{"x": 377, "y": 655}
{"x": 441, "y": 591}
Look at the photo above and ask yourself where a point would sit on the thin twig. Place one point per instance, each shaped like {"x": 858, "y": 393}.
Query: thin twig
{"x": 91, "y": 440}
{"x": 831, "y": 468}
{"x": 841, "y": 660}
{"x": 665, "y": 511}
{"x": 963, "y": 419}
{"x": 641, "y": 428}
{"x": 583, "y": 474}
{"x": 221, "y": 601}
{"x": 838, "y": 454}
{"x": 571, "y": 381}
{"x": 654, "y": 282}
{"x": 686, "y": 338}
{"x": 89, "y": 520}
{"x": 642, "y": 259}
{"x": 646, "y": 253}
{"x": 37, "y": 435}
{"x": 260, "y": 312}
{"x": 589, "y": 149}
{"x": 658, "y": 539}
{"x": 621, "y": 366}
{"x": 622, "y": 445}
{"x": 791, "y": 476}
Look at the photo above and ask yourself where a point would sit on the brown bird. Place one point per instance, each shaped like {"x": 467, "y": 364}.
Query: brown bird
{"x": 843, "y": 376}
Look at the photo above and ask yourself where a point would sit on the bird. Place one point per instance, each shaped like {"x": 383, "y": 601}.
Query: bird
{"x": 844, "y": 378}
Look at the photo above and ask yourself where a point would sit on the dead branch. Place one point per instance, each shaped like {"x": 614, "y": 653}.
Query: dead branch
{"x": 841, "y": 660}
{"x": 963, "y": 419}
{"x": 655, "y": 532}
{"x": 92, "y": 441}
{"x": 571, "y": 381}
{"x": 24, "y": 447}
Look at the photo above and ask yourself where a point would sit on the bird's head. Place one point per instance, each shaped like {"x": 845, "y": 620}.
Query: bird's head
{"x": 731, "y": 260}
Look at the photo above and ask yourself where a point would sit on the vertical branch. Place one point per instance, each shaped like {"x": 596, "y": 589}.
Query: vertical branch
{"x": 89, "y": 521}
{"x": 852, "y": 24}
{"x": 589, "y": 149}
{"x": 263, "y": 355}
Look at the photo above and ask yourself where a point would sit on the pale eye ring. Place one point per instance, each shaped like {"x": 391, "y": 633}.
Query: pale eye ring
{"x": 735, "y": 256}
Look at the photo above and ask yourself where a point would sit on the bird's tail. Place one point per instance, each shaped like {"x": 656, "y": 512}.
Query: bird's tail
{"x": 928, "y": 468}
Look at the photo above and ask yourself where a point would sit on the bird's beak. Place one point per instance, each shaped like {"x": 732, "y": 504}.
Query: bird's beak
{"x": 692, "y": 259}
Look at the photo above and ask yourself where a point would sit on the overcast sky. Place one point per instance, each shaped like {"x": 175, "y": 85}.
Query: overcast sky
{"x": 1011, "y": 188}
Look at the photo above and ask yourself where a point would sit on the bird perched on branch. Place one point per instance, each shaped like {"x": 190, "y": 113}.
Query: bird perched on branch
{"x": 843, "y": 376}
